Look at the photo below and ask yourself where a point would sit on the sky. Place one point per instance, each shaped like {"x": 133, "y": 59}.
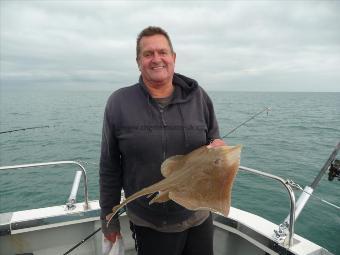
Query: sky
{"x": 224, "y": 45}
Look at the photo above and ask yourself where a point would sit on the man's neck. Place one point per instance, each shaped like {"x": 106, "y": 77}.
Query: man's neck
{"x": 160, "y": 91}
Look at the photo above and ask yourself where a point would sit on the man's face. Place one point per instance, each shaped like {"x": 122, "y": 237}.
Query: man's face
{"x": 156, "y": 61}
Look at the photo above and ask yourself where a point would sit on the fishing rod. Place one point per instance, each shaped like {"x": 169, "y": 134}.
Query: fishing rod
{"x": 267, "y": 109}
{"x": 281, "y": 233}
{"x": 334, "y": 170}
{"x": 308, "y": 190}
{"x": 22, "y": 129}
{"x": 121, "y": 211}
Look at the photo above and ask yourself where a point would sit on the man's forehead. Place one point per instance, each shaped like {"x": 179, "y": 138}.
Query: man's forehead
{"x": 154, "y": 42}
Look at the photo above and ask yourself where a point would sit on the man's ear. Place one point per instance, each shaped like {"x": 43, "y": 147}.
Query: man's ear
{"x": 138, "y": 63}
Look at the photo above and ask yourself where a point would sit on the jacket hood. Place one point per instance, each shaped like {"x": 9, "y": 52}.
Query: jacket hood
{"x": 184, "y": 88}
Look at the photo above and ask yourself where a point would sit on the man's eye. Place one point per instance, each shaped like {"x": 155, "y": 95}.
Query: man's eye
{"x": 147, "y": 54}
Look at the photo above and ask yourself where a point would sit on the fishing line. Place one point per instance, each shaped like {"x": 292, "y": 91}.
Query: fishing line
{"x": 22, "y": 129}
{"x": 317, "y": 197}
{"x": 267, "y": 109}
{"x": 231, "y": 131}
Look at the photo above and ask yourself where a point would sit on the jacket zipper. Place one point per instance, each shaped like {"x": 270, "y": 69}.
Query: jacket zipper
{"x": 164, "y": 125}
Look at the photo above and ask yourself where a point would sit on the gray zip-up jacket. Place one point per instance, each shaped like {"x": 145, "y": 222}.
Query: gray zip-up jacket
{"x": 138, "y": 135}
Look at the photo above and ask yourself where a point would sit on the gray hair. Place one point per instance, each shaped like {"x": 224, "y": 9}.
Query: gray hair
{"x": 149, "y": 31}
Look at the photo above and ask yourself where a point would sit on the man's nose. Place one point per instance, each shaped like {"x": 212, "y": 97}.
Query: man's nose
{"x": 156, "y": 57}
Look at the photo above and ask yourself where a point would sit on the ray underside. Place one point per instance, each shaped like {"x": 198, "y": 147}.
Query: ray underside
{"x": 201, "y": 179}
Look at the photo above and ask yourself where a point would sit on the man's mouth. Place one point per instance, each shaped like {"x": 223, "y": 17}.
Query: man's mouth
{"x": 157, "y": 67}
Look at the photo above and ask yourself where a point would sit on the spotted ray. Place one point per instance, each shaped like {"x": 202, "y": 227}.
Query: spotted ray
{"x": 201, "y": 179}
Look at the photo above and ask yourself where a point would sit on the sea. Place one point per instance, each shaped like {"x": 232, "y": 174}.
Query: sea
{"x": 293, "y": 141}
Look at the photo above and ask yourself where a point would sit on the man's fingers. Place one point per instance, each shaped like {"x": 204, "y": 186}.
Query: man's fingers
{"x": 216, "y": 143}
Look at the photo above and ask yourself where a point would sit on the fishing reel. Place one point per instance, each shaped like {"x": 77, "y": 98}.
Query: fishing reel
{"x": 334, "y": 170}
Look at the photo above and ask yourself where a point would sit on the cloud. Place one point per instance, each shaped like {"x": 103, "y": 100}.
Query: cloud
{"x": 232, "y": 45}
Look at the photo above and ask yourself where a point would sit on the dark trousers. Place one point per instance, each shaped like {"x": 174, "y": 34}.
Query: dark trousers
{"x": 193, "y": 241}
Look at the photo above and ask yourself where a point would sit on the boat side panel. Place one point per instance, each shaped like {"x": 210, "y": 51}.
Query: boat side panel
{"x": 51, "y": 240}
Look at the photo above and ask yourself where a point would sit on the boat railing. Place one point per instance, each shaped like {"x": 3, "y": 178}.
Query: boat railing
{"x": 79, "y": 173}
{"x": 82, "y": 172}
{"x": 286, "y": 184}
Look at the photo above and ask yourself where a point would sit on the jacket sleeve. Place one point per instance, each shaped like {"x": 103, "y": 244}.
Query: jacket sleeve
{"x": 110, "y": 172}
{"x": 213, "y": 129}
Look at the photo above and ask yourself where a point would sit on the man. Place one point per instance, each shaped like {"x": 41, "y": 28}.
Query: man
{"x": 164, "y": 114}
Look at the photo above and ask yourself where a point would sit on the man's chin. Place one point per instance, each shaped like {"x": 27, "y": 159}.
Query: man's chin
{"x": 159, "y": 80}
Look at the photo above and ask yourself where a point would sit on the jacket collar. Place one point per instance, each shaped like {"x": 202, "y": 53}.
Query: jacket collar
{"x": 184, "y": 88}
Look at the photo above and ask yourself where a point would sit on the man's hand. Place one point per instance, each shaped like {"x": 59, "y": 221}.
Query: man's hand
{"x": 112, "y": 237}
{"x": 112, "y": 231}
{"x": 112, "y": 240}
{"x": 216, "y": 143}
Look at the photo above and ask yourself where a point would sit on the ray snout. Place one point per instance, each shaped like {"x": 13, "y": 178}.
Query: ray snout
{"x": 230, "y": 150}
{"x": 235, "y": 152}
{"x": 232, "y": 153}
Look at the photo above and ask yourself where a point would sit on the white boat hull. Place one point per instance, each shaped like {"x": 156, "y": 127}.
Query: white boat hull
{"x": 55, "y": 230}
